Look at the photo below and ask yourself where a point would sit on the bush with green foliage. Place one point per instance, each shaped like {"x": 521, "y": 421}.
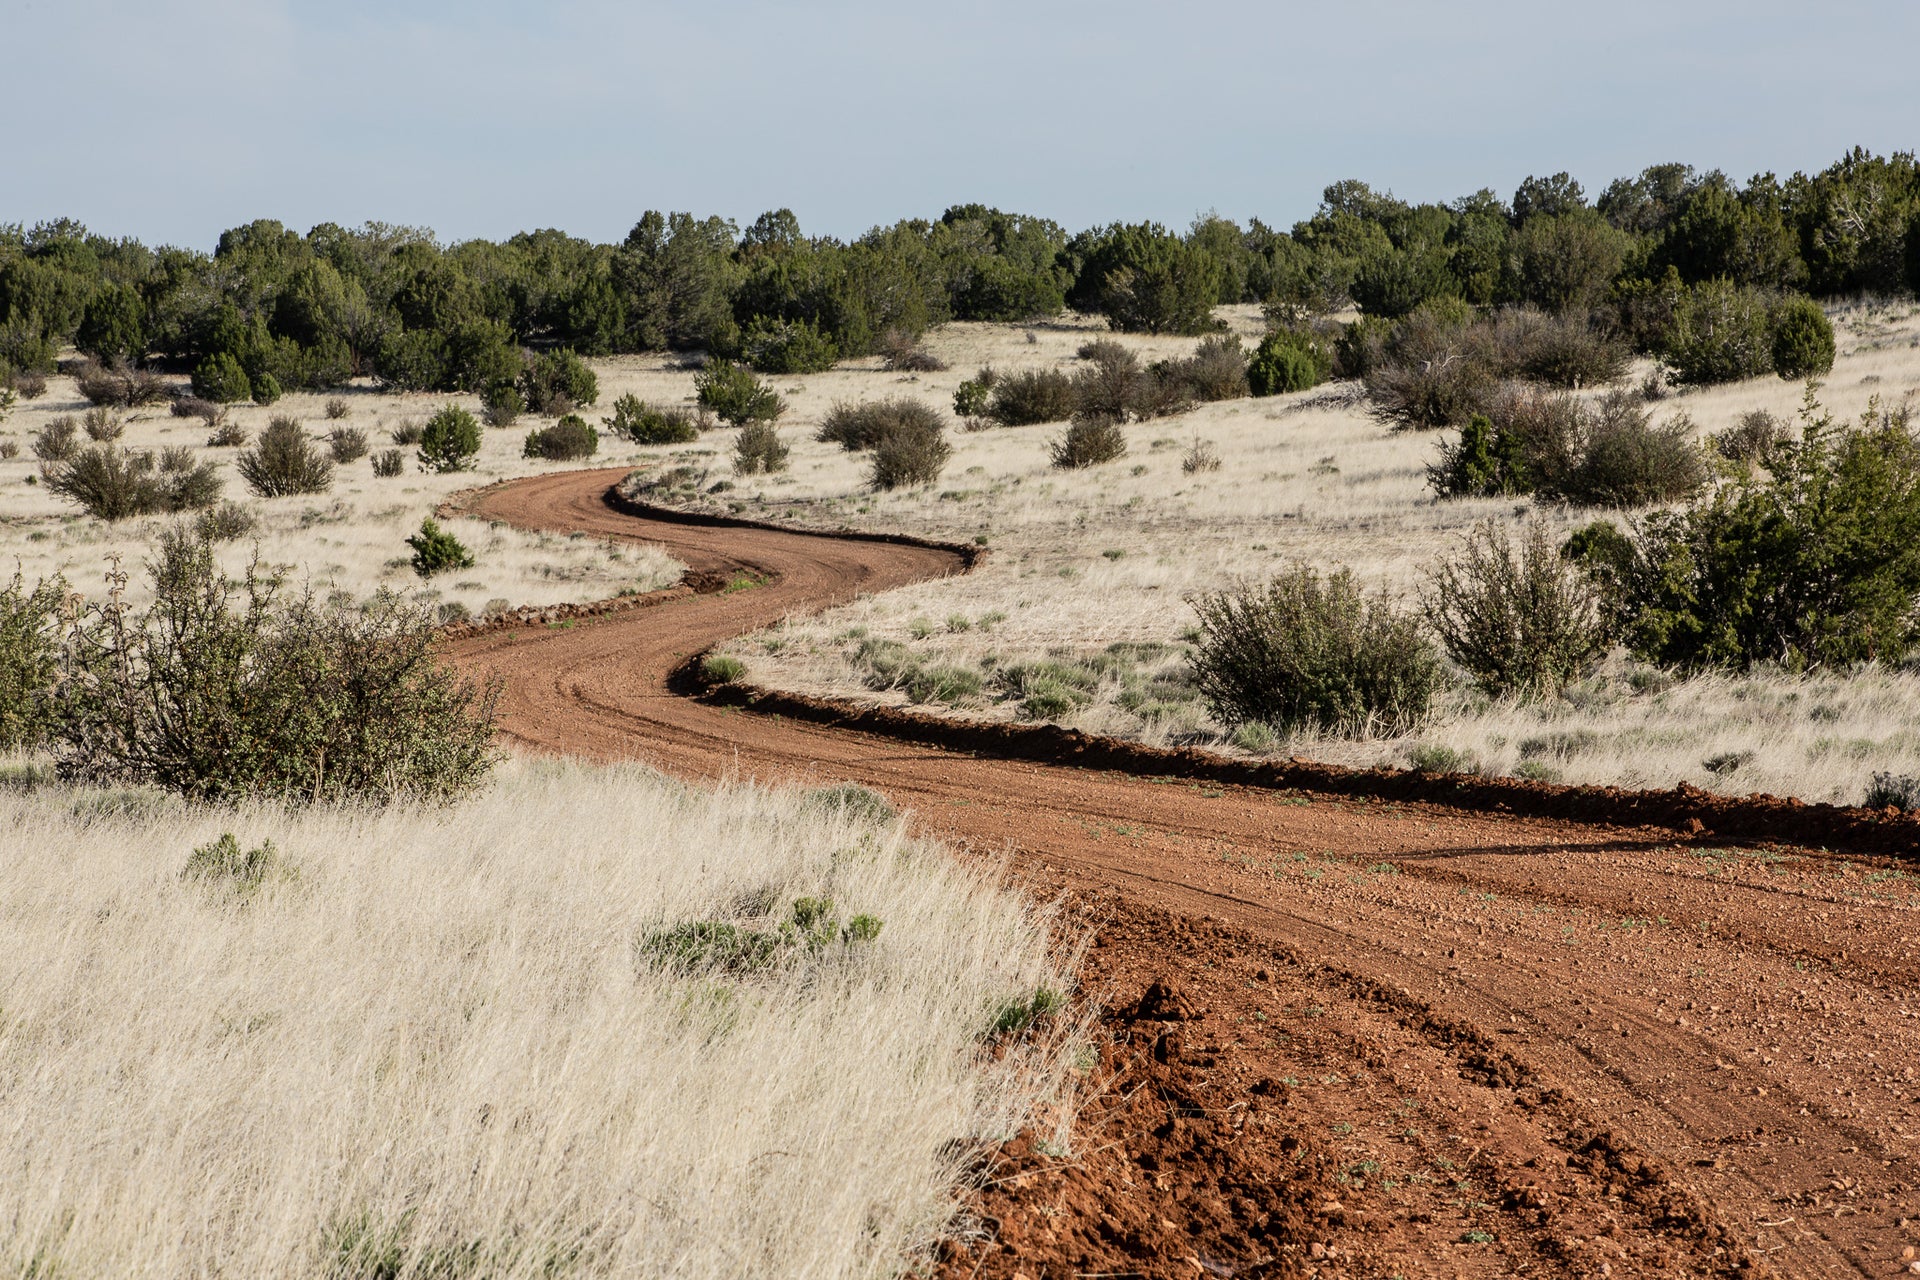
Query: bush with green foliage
{"x": 910, "y": 454}
{"x": 811, "y": 933}
{"x": 229, "y": 690}
{"x": 1217, "y": 370}
{"x": 1522, "y": 621}
{"x": 103, "y": 425}
{"x": 1307, "y": 652}
{"x": 759, "y": 449}
{"x": 1719, "y": 332}
{"x": 1812, "y": 560}
{"x": 1288, "y": 360}
{"x": 1803, "y": 344}
{"x": 389, "y": 463}
{"x": 449, "y": 441}
{"x": 113, "y": 327}
{"x": 1624, "y": 460}
{"x": 285, "y": 461}
{"x": 1031, "y": 396}
{"x": 58, "y": 440}
{"x": 739, "y": 398}
{"x": 557, "y": 382}
{"x": 1090, "y": 439}
{"x": 224, "y": 862}
{"x": 1604, "y": 453}
{"x": 437, "y": 551}
{"x": 227, "y": 522}
{"x": 634, "y": 419}
{"x": 973, "y": 398}
{"x": 1145, "y": 279}
{"x": 1432, "y": 371}
{"x": 788, "y": 346}
{"x": 502, "y": 405}
{"x": 30, "y": 624}
{"x": 265, "y": 389}
{"x": 863, "y": 425}
{"x": 115, "y": 484}
{"x": 567, "y": 440}
{"x": 221, "y": 379}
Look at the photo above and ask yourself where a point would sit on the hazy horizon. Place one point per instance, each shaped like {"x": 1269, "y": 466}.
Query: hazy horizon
{"x": 174, "y": 121}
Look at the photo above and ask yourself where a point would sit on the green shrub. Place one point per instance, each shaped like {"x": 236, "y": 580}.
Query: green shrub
{"x": 558, "y": 382}
{"x": 788, "y": 346}
{"x": 909, "y": 455}
{"x": 502, "y": 405}
{"x": 113, "y": 328}
{"x": 863, "y": 804}
{"x": 722, "y": 668}
{"x": 972, "y": 398}
{"x": 58, "y": 440}
{"x": 811, "y": 932}
{"x": 1521, "y": 621}
{"x": 1288, "y": 360}
{"x": 567, "y": 440}
{"x": 1031, "y": 396}
{"x": 1312, "y": 652}
{"x": 449, "y": 441}
{"x": 29, "y": 659}
{"x": 1088, "y": 441}
{"x": 221, "y": 379}
{"x": 224, "y": 862}
{"x": 1217, "y": 370}
{"x": 227, "y": 522}
{"x": 437, "y": 551}
{"x": 642, "y": 423}
{"x": 1145, "y": 279}
{"x": 1563, "y": 350}
{"x": 1719, "y": 333}
{"x": 759, "y": 449}
{"x": 226, "y": 690}
{"x": 265, "y": 389}
{"x": 1811, "y": 560}
{"x": 1802, "y": 340}
{"x": 389, "y": 463}
{"x": 1359, "y": 346}
{"x": 865, "y": 424}
{"x": 1893, "y": 791}
{"x": 1626, "y": 461}
{"x": 346, "y": 444}
{"x": 284, "y": 461}
{"x": 1433, "y": 371}
{"x": 408, "y": 432}
{"x": 114, "y": 484}
{"x": 732, "y": 392}
{"x": 1601, "y": 454}
{"x": 1013, "y": 1016}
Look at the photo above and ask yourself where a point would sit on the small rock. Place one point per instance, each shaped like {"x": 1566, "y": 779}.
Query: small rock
{"x": 1317, "y": 1249}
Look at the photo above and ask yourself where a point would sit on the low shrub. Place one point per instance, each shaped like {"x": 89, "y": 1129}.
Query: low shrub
{"x": 642, "y": 423}
{"x": 194, "y": 407}
{"x": 225, "y": 862}
{"x": 1893, "y": 791}
{"x": 407, "y": 433}
{"x": 720, "y": 668}
{"x": 1088, "y": 441}
{"x": 119, "y": 384}
{"x": 266, "y": 389}
{"x": 759, "y": 449}
{"x": 1031, "y": 396}
{"x": 228, "y": 522}
{"x": 1520, "y": 620}
{"x": 1597, "y": 454}
{"x": 58, "y": 440}
{"x": 336, "y": 409}
{"x": 1562, "y": 350}
{"x": 449, "y": 441}
{"x": 1626, "y": 461}
{"x": 788, "y": 346}
{"x": 1719, "y": 332}
{"x": 973, "y": 398}
{"x": 1200, "y": 456}
{"x": 30, "y": 383}
{"x": 732, "y": 392}
{"x": 29, "y": 659}
{"x": 1751, "y": 440}
{"x": 863, "y": 804}
{"x": 1217, "y": 370}
{"x": 227, "y": 690}
{"x": 567, "y": 440}
{"x": 284, "y": 462}
{"x": 865, "y": 424}
{"x": 1802, "y": 345}
{"x": 228, "y": 434}
{"x": 346, "y": 444}
{"x": 557, "y": 382}
{"x": 901, "y": 352}
{"x": 221, "y": 379}
{"x": 1433, "y": 371}
{"x": 1288, "y": 360}
{"x": 103, "y": 425}
{"x": 113, "y": 484}
{"x": 502, "y": 405}
{"x": 389, "y": 463}
{"x": 1312, "y": 652}
{"x": 437, "y": 551}
{"x": 910, "y": 455}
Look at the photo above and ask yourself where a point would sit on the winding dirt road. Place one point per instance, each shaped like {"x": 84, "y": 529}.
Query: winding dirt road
{"x": 1518, "y": 1045}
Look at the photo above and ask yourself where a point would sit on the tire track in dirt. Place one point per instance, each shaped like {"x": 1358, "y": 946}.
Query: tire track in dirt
{"x": 1743, "y": 1024}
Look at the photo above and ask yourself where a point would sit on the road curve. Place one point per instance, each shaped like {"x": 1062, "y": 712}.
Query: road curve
{"x": 1746, "y": 1019}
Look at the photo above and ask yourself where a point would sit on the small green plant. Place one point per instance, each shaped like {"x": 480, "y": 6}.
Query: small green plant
{"x": 265, "y": 389}
{"x": 1031, "y": 396}
{"x": 863, "y": 804}
{"x": 1288, "y": 360}
{"x": 636, "y": 420}
{"x": 502, "y": 405}
{"x": 449, "y": 441}
{"x": 908, "y": 456}
{"x": 29, "y": 659}
{"x": 1520, "y": 620}
{"x": 1893, "y": 791}
{"x": 284, "y": 462}
{"x": 812, "y": 932}
{"x": 227, "y": 522}
{"x": 1017, "y": 1013}
{"x": 739, "y": 398}
{"x": 567, "y": 440}
{"x": 557, "y": 382}
{"x": 58, "y": 441}
{"x": 224, "y": 862}
{"x": 437, "y": 551}
{"x": 1802, "y": 340}
{"x": 759, "y": 449}
{"x": 972, "y": 398}
{"x": 720, "y": 668}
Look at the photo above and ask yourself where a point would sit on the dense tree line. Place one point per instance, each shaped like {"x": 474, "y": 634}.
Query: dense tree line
{"x": 272, "y": 308}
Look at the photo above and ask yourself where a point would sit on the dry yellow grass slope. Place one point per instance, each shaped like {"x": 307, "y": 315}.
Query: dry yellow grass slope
{"x": 428, "y": 1044}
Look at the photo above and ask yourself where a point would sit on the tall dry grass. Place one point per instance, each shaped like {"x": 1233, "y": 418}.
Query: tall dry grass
{"x": 428, "y": 1046}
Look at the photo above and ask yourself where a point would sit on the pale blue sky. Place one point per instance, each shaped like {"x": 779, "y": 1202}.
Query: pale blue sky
{"x": 172, "y": 119}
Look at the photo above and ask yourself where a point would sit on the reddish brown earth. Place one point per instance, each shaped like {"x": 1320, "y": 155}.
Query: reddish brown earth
{"x": 1416, "y": 1039}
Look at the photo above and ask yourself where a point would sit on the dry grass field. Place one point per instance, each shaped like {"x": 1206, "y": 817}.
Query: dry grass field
{"x": 1086, "y": 584}
{"x": 432, "y": 1042}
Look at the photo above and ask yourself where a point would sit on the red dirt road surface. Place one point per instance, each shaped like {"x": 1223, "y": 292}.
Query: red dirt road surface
{"x": 1386, "y": 1038}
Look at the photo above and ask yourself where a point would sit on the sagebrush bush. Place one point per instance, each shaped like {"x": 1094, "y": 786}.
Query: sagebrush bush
{"x": 228, "y": 690}
{"x": 1521, "y": 621}
{"x": 1217, "y": 370}
{"x": 228, "y": 434}
{"x": 901, "y": 352}
{"x": 1802, "y": 342}
{"x": 1433, "y": 371}
{"x": 1031, "y": 396}
{"x": 739, "y": 398}
{"x": 1563, "y": 350}
{"x": 1627, "y": 461}
{"x": 119, "y": 384}
{"x": 58, "y": 440}
{"x": 1288, "y": 360}
{"x": 1605, "y": 453}
{"x": 437, "y": 551}
{"x": 29, "y": 659}
{"x": 1200, "y": 456}
{"x": 227, "y": 522}
{"x": 407, "y": 433}
{"x": 636, "y": 420}
{"x": 1751, "y": 439}
{"x": 865, "y": 424}
{"x": 389, "y": 463}
{"x": 1309, "y": 652}
{"x": 346, "y": 444}
{"x": 788, "y": 346}
{"x": 103, "y": 425}
{"x": 557, "y": 382}
{"x": 567, "y": 440}
{"x": 284, "y": 461}
{"x": 759, "y": 449}
{"x": 336, "y": 409}
{"x": 909, "y": 455}
{"x": 114, "y": 484}
{"x": 1089, "y": 440}
{"x": 194, "y": 407}
{"x": 449, "y": 441}
{"x": 221, "y": 379}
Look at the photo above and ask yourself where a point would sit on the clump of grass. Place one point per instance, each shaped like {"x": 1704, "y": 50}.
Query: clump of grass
{"x": 720, "y": 668}
{"x": 811, "y": 932}
{"x": 224, "y": 862}
{"x": 861, "y": 803}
